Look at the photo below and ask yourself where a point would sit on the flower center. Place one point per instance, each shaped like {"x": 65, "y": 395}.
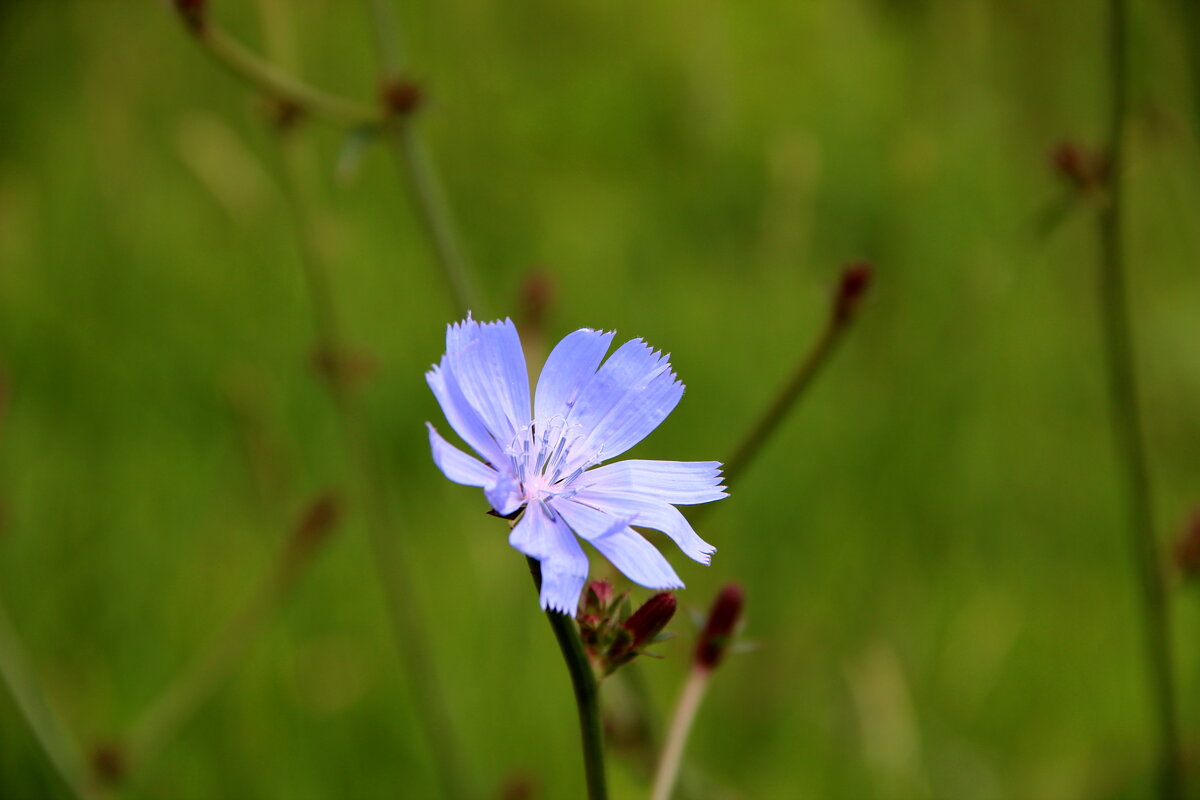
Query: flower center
{"x": 540, "y": 455}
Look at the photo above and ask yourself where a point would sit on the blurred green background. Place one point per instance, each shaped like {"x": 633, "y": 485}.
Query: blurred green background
{"x": 933, "y": 546}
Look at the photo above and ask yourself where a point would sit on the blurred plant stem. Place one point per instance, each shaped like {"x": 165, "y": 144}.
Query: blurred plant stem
{"x": 678, "y": 731}
{"x": 48, "y": 729}
{"x": 394, "y": 119}
{"x": 587, "y": 692}
{"x": 277, "y": 83}
{"x": 1126, "y": 419}
{"x": 851, "y": 287}
{"x": 417, "y": 166}
{"x": 403, "y": 611}
{"x": 196, "y": 684}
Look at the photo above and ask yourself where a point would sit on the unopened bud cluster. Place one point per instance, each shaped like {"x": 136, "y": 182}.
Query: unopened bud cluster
{"x": 612, "y": 634}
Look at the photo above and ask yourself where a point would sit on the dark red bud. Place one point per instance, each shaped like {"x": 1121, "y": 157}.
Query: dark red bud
{"x": 194, "y": 13}
{"x": 723, "y": 618}
{"x": 649, "y": 620}
{"x": 401, "y": 96}
{"x": 108, "y": 763}
{"x": 1187, "y": 548}
{"x": 852, "y": 286}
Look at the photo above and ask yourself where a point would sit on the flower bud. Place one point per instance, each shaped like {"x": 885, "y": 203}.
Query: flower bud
{"x": 401, "y": 96}
{"x": 1080, "y": 166}
{"x": 649, "y": 620}
{"x": 723, "y": 619}
{"x": 318, "y": 520}
{"x": 643, "y": 627}
{"x": 193, "y": 13}
{"x": 851, "y": 288}
{"x": 1187, "y": 548}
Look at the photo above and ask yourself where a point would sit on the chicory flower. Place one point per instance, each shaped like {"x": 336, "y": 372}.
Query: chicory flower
{"x": 548, "y": 460}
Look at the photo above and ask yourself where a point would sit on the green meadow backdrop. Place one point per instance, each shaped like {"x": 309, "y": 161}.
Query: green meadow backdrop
{"x": 933, "y": 546}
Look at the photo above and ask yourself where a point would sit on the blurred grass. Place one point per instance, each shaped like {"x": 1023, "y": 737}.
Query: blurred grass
{"x": 932, "y": 547}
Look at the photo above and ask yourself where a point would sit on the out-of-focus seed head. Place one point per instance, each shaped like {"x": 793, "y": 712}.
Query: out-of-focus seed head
{"x": 194, "y": 14}
{"x": 401, "y": 96}
{"x": 108, "y": 763}
{"x": 1187, "y": 548}
{"x": 852, "y": 287}
{"x": 318, "y": 520}
{"x": 1079, "y": 165}
{"x": 722, "y": 623}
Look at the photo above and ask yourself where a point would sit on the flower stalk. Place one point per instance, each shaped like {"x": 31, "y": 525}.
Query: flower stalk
{"x": 586, "y": 688}
{"x": 266, "y": 76}
{"x": 335, "y": 367}
{"x": 196, "y": 684}
{"x": 432, "y": 206}
{"x": 48, "y": 728}
{"x": 711, "y": 648}
{"x": 852, "y": 287}
{"x": 1126, "y": 420}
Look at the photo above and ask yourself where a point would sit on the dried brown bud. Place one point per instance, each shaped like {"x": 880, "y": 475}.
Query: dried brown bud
{"x": 285, "y": 114}
{"x": 852, "y": 286}
{"x": 194, "y": 14}
{"x": 723, "y": 619}
{"x": 537, "y": 296}
{"x": 108, "y": 763}
{"x": 318, "y": 520}
{"x": 401, "y": 96}
{"x": 1187, "y": 548}
{"x": 1080, "y": 166}
{"x": 342, "y": 368}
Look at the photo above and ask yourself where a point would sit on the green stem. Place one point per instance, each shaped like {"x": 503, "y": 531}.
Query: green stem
{"x": 48, "y": 729}
{"x": 212, "y": 667}
{"x": 434, "y": 211}
{"x": 807, "y": 370}
{"x": 269, "y": 78}
{"x": 1126, "y": 419}
{"x": 587, "y": 692}
{"x": 403, "y": 610}
{"x": 678, "y": 732}
{"x": 420, "y": 173}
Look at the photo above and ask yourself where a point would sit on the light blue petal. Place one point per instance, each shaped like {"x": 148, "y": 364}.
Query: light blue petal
{"x": 504, "y": 494}
{"x": 461, "y": 416}
{"x": 625, "y": 548}
{"x": 457, "y": 465}
{"x": 571, "y": 364}
{"x": 588, "y": 521}
{"x": 489, "y": 365}
{"x": 629, "y": 396}
{"x": 629, "y": 552}
{"x": 678, "y": 482}
{"x": 564, "y": 564}
{"x": 647, "y": 512}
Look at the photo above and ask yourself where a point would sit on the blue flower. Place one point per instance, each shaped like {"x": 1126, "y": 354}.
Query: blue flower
{"x": 547, "y": 461}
